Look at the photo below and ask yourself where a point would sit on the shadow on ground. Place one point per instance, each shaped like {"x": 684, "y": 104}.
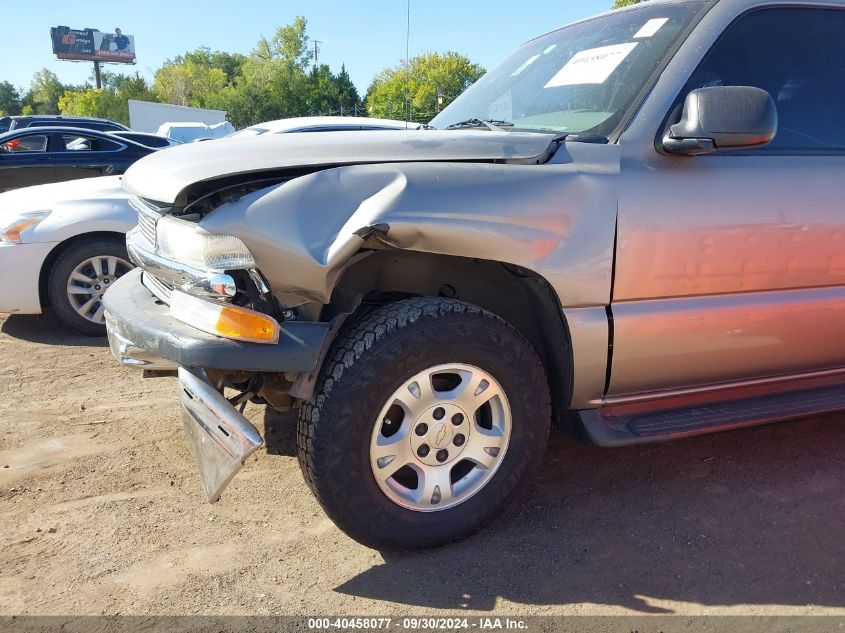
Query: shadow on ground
{"x": 748, "y": 517}
{"x": 48, "y": 330}
{"x": 280, "y": 432}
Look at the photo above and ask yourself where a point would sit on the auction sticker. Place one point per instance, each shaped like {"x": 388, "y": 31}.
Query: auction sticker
{"x": 592, "y": 66}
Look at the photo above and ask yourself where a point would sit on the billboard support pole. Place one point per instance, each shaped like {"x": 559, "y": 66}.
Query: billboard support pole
{"x": 97, "y": 78}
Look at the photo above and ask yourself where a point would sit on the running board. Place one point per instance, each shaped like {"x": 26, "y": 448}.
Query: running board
{"x": 612, "y": 427}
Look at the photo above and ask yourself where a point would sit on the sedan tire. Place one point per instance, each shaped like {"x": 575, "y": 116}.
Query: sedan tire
{"x": 79, "y": 278}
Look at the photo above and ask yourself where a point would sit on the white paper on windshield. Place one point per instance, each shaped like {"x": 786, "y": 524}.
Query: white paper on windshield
{"x": 651, "y": 27}
{"x": 592, "y": 66}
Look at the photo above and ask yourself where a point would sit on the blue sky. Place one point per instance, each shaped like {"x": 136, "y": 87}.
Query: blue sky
{"x": 366, "y": 35}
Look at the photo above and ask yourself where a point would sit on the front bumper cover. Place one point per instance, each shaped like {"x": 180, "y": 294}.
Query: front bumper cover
{"x": 141, "y": 325}
{"x": 20, "y": 270}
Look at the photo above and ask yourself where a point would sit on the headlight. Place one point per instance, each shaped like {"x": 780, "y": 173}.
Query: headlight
{"x": 179, "y": 240}
{"x": 10, "y": 231}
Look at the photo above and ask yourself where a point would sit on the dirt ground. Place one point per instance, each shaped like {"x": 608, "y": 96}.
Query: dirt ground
{"x": 101, "y": 512}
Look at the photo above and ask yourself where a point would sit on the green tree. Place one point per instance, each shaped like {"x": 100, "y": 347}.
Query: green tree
{"x": 332, "y": 94}
{"x": 291, "y": 44}
{"x": 10, "y": 99}
{"x": 44, "y": 93}
{"x": 111, "y": 102}
{"x": 188, "y": 83}
{"x": 618, "y": 4}
{"x": 274, "y": 82}
{"x": 102, "y": 103}
{"x": 430, "y": 81}
{"x": 230, "y": 63}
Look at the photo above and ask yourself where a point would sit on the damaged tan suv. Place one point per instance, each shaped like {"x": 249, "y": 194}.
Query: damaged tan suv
{"x": 637, "y": 217}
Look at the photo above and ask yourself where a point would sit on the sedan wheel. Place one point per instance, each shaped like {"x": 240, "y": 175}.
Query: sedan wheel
{"x": 90, "y": 280}
{"x": 80, "y": 277}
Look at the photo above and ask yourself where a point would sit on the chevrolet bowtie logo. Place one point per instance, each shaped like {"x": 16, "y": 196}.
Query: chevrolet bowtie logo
{"x": 441, "y": 435}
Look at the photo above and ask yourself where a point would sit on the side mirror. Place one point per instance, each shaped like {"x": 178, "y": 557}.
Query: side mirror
{"x": 723, "y": 117}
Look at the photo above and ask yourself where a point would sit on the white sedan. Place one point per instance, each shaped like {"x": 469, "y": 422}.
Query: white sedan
{"x": 62, "y": 245}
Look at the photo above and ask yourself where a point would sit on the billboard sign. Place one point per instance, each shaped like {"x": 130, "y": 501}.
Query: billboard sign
{"x": 93, "y": 45}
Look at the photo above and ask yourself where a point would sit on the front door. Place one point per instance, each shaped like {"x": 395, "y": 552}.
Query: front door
{"x": 24, "y": 161}
{"x": 732, "y": 266}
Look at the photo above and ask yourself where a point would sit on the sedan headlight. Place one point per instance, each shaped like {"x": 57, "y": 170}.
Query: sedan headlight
{"x": 10, "y": 230}
{"x": 179, "y": 240}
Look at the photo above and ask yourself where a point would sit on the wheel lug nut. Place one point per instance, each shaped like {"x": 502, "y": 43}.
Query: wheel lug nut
{"x": 459, "y": 440}
{"x": 442, "y": 455}
{"x": 423, "y": 450}
{"x": 457, "y": 419}
{"x": 439, "y": 413}
{"x": 421, "y": 429}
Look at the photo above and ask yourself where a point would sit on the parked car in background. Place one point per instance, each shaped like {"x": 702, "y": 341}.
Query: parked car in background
{"x": 39, "y": 155}
{"x": 149, "y": 140}
{"x": 323, "y": 124}
{"x": 63, "y": 244}
{"x": 46, "y": 120}
{"x": 190, "y": 132}
{"x": 637, "y": 218}
{"x": 153, "y": 141}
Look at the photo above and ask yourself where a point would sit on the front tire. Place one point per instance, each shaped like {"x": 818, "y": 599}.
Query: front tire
{"x": 79, "y": 278}
{"x": 428, "y": 415}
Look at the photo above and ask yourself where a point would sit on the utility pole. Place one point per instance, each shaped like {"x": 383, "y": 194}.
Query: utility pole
{"x": 316, "y": 52}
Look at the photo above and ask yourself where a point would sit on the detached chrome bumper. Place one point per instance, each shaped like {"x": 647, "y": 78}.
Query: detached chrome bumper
{"x": 220, "y": 437}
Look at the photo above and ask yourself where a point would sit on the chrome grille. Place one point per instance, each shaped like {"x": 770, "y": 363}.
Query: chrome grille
{"x": 148, "y": 216}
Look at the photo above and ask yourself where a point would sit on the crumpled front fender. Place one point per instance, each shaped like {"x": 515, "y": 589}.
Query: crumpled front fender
{"x": 556, "y": 219}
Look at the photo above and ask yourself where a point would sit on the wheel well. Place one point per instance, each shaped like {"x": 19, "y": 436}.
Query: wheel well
{"x": 60, "y": 248}
{"x": 517, "y": 295}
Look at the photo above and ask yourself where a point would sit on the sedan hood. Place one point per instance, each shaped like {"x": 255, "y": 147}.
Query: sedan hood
{"x": 53, "y": 195}
{"x": 164, "y": 175}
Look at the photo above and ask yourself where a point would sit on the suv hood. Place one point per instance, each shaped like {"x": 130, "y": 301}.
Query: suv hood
{"x": 164, "y": 175}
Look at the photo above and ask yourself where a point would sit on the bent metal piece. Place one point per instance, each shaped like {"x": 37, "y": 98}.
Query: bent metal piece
{"x": 221, "y": 438}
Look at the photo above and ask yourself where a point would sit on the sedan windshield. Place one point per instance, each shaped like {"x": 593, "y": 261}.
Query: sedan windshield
{"x": 580, "y": 79}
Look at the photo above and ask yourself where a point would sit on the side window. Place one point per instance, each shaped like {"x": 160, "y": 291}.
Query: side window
{"x": 32, "y": 143}
{"x": 797, "y": 55}
{"x": 76, "y": 143}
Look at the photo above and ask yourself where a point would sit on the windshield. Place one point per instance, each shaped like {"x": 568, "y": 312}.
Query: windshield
{"x": 580, "y": 79}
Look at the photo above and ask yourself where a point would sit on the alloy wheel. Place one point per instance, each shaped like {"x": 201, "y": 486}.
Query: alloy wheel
{"x": 90, "y": 280}
{"x": 440, "y": 437}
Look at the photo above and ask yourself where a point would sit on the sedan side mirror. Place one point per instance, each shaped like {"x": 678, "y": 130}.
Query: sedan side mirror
{"x": 723, "y": 117}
